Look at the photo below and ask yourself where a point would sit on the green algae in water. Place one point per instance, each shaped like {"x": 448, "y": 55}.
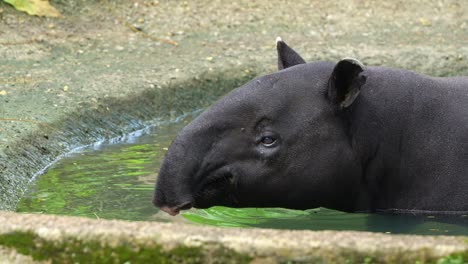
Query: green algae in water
{"x": 116, "y": 181}
{"x": 111, "y": 181}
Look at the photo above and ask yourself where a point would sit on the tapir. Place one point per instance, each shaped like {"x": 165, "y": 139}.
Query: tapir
{"x": 337, "y": 135}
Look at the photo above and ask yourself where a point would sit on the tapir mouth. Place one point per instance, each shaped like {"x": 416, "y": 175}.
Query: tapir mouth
{"x": 214, "y": 190}
{"x": 173, "y": 211}
{"x": 219, "y": 180}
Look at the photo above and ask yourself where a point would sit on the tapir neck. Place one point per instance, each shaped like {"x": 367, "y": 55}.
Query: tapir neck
{"x": 377, "y": 128}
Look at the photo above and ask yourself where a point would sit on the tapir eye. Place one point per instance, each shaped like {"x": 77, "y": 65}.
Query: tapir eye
{"x": 268, "y": 141}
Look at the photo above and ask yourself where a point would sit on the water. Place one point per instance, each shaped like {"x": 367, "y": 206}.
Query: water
{"x": 115, "y": 181}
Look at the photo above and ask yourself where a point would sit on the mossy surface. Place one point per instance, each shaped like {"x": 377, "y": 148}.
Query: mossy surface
{"x": 455, "y": 258}
{"x": 422, "y": 256}
{"x": 69, "y": 249}
{"x": 72, "y": 250}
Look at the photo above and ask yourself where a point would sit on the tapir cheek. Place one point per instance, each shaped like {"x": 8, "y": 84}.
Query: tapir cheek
{"x": 215, "y": 185}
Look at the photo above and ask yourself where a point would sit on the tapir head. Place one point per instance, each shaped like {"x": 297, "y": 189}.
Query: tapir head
{"x": 280, "y": 140}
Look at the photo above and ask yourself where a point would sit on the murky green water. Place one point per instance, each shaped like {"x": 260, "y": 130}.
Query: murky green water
{"x": 116, "y": 182}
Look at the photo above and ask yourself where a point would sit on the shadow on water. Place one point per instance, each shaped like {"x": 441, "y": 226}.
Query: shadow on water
{"x": 115, "y": 181}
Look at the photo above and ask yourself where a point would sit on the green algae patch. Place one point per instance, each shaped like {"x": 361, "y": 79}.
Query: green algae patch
{"x": 341, "y": 255}
{"x": 455, "y": 258}
{"x": 72, "y": 250}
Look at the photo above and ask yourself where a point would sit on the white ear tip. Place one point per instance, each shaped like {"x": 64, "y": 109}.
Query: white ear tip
{"x": 354, "y": 61}
{"x": 278, "y": 39}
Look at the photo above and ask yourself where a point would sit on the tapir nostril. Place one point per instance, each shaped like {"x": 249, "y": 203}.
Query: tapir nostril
{"x": 185, "y": 206}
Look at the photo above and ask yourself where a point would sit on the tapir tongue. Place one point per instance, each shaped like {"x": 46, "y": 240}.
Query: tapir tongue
{"x": 175, "y": 210}
{"x": 171, "y": 211}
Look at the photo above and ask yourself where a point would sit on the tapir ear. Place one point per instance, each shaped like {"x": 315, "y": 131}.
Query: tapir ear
{"x": 345, "y": 82}
{"x": 287, "y": 57}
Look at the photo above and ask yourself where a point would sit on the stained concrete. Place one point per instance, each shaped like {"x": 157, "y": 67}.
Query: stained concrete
{"x": 257, "y": 245}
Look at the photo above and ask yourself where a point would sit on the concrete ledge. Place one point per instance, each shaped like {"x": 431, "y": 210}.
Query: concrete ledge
{"x": 73, "y": 239}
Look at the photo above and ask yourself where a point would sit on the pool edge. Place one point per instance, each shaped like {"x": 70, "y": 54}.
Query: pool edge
{"x": 74, "y": 238}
